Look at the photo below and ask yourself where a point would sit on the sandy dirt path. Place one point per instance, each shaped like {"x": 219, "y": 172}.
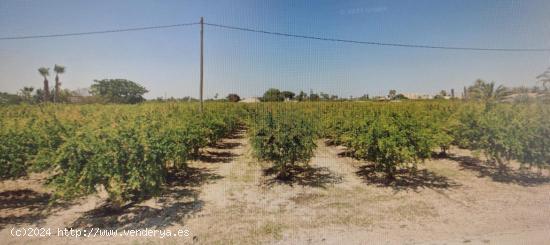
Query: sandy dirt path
{"x": 227, "y": 199}
{"x": 454, "y": 200}
{"x": 25, "y": 204}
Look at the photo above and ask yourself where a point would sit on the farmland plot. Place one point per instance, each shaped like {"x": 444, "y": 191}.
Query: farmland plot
{"x": 225, "y": 186}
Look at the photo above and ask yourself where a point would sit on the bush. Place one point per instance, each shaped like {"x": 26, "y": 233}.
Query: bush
{"x": 504, "y": 132}
{"x": 127, "y": 150}
{"x": 286, "y": 139}
{"x": 16, "y": 152}
{"x": 127, "y": 163}
{"x": 398, "y": 140}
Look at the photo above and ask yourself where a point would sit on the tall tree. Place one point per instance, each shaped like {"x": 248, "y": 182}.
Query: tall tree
{"x": 272, "y": 94}
{"x": 233, "y": 98}
{"x": 45, "y": 72}
{"x": 324, "y": 96}
{"x": 118, "y": 91}
{"x": 488, "y": 92}
{"x": 302, "y": 96}
{"x": 313, "y": 96}
{"x": 392, "y": 94}
{"x": 26, "y": 93}
{"x": 288, "y": 95}
{"x": 58, "y": 70}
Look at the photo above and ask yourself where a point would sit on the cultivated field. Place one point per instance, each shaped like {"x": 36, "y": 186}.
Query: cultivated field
{"x": 341, "y": 172}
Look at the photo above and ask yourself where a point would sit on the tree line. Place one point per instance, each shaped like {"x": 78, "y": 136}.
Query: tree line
{"x": 101, "y": 91}
{"x": 126, "y": 91}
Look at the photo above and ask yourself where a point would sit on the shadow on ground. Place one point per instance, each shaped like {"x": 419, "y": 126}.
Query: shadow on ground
{"x": 178, "y": 201}
{"x": 504, "y": 174}
{"x": 406, "y": 179}
{"x": 226, "y": 145}
{"x": 180, "y": 197}
{"x": 24, "y": 206}
{"x": 217, "y": 156}
{"x": 305, "y": 176}
{"x": 220, "y": 152}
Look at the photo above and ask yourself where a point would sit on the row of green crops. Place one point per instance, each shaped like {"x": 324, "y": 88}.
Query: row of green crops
{"x": 505, "y": 132}
{"x": 127, "y": 149}
{"x": 401, "y": 135}
{"x": 390, "y": 135}
{"x": 284, "y": 137}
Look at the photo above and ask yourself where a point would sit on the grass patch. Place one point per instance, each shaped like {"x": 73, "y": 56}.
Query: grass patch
{"x": 270, "y": 229}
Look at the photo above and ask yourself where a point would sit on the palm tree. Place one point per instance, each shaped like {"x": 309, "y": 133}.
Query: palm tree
{"x": 58, "y": 70}
{"x": 45, "y": 72}
{"x": 26, "y": 93}
{"x": 484, "y": 91}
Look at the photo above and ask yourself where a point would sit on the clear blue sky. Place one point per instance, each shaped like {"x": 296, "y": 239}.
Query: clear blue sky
{"x": 167, "y": 61}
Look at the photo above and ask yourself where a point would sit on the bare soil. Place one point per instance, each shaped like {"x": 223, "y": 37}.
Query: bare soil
{"x": 227, "y": 198}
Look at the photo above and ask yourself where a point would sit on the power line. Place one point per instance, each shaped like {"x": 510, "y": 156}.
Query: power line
{"x": 98, "y": 32}
{"x": 403, "y": 45}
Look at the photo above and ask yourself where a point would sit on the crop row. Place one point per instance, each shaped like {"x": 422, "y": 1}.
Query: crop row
{"x": 129, "y": 150}
{"x": 394, "y": 136}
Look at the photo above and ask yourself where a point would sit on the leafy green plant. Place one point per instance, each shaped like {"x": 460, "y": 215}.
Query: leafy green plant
{"x": 284, "y": 138}
{"x": 126, "y": 150}
{"x": 393, "y": 141}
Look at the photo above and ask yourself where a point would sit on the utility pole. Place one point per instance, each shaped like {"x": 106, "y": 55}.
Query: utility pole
{"x": 202, "y": 47}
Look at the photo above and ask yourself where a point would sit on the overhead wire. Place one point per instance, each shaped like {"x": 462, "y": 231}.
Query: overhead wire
{"x": 97, "y": 32}
{"x": 291, "y": 35}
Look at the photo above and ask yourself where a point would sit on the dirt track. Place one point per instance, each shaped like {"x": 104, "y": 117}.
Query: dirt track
{"x": 226, "y": 198}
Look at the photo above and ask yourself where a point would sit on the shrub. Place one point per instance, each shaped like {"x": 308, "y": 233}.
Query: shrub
{"x": 286, "y": 139}
{"x": 398, "y": 140}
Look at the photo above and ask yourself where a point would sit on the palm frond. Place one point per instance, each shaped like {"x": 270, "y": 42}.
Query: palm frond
{"x": 44, "y": 71}
{"x": 59, "y": 69}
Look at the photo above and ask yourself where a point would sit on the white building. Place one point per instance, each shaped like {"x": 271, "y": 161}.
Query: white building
{"x": 251, "y": 100}
{"x": 415, "y": 96}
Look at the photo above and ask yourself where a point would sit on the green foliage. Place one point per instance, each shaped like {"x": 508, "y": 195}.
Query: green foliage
{"x": 233, "y": 98}
{"x": 302, "y": 96}
{"x": 127, "y": 150}
{"x": 400, "y": 97}
{"x": 127, "y": 160}
{"x": 390, "y": 140}
{"x": 286, "y": 138}
{"x": 272, "y": 94}
{"x": 9, "y": 99}
{"x": 16, "y": 151}
{"x": 118, "y": 91}
{"x": 487, "y": 92}
{"x": 536, "y": 136}
{"x": 391, "y": 136}
{"x": 504, "y": 132}
{"x": 288, "y": 95}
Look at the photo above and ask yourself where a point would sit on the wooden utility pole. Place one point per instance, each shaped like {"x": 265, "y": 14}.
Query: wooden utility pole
{"x": 202, "y": 47}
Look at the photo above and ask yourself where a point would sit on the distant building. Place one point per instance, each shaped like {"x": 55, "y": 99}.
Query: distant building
{"x": 289, "y": 100}
{"x": 83, "y": 92}
{"x": 380, "y": 98}
{"x": 80, "y": 95}
{"x": 251, "y": 100}
{"x": 522, "y": 96}
{"x": 416, "y": 96}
